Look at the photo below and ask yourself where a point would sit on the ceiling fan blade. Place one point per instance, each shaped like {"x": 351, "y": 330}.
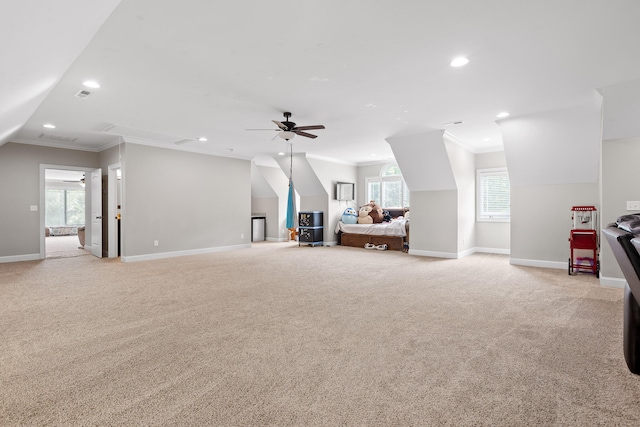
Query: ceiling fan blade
{"x": 308, "y": 127}
{"x": 301, "y": 133}
{"x": 279, "y": 124}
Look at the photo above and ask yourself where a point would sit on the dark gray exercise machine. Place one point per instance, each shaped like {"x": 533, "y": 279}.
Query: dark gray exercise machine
{"x": 624, "y": 238}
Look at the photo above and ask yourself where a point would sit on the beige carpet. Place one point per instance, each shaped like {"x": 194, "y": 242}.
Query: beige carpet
{"x": 297, "y": 336}
{"x": 64, "y": 247}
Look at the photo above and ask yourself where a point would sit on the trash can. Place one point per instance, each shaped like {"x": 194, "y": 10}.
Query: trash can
{"x": 257, "y": 228}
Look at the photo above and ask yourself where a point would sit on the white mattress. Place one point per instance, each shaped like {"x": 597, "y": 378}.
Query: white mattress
{"x": 397, "y": 227}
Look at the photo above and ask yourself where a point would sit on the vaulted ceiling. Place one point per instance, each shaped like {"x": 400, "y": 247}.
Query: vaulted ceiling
{"x": 366, "y": 69}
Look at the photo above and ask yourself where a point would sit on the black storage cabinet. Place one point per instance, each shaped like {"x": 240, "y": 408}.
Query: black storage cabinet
{"x": 310, "y": 228}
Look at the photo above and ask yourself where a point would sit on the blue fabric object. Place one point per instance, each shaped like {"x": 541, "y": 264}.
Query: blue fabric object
{"x": 291, "y": 207}
{"x": 350, "y": 216}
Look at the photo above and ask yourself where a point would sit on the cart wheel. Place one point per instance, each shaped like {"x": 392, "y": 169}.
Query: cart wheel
{"x": 569, "y": 269}
{"x": 598, "y": 269}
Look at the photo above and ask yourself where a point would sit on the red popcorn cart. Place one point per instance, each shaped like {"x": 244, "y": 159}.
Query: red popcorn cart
{"x": 583, "y": 241}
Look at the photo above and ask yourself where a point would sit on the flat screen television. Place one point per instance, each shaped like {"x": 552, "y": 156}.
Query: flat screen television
{"x": 345, "y": 191}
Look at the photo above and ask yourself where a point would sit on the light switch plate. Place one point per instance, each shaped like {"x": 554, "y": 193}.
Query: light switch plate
{"x": 633, "y": 205}
{"x": 33, "y": 208}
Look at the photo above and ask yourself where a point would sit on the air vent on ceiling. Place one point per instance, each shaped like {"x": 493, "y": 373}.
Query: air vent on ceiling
{"x": 57, "y": 137}
{"x": 83, "y": 93}
{"x": 145, "y": 134}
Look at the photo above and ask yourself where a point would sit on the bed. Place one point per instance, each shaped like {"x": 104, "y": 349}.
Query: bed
{"x": 394, "y": 234}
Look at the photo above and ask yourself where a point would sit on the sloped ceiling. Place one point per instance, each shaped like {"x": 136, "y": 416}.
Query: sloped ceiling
{"x": 557, "y": 147}
{"x": 366, "y": 69}
{"x": 424, "y": 161}
{"x": 40, "y": 41}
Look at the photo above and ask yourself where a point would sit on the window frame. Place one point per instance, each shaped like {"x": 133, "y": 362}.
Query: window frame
{"x": 65, "y": 206}
{"x": 381, "y": 179}
{"x": 482, "y": 216}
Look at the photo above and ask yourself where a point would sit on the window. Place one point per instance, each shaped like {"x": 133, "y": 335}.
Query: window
{"x": 389, "y": 189}
{"x": 64, "y": 207}
{"x": 494, "y": 195}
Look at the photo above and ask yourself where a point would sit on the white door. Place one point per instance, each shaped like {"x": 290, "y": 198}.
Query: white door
{"x": 96, "y": 212}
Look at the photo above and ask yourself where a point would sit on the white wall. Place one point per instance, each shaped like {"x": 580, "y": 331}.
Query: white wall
{"x": 329, "y": 173}
{"x": 20, "y": 229}
{"x": 464, "y": 171}
{"x": 189, "y": 202}
{"x": 271, "y": 200}
{"x": 541, "y": 222}
{"x": 619, "y": 184}
{"x": 434, "y": 223}
{"x": 554, "y": 164}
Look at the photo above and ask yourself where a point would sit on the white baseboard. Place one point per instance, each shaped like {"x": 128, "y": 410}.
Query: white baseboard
{"x": 612, "y": 282}
{"x": 18, "y": 258}
{"x": 459, "y": 254}
{"x": 277, "y": 239}
{"x": 163, "y": 255}
{"x": 466, "y": 253}
{"x": 493, "y": 251}
{"x": 434, "y": 254}
{"x": 539, "y": 263}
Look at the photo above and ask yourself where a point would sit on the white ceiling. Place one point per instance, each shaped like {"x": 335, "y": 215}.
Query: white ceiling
{"x": 63, "y": 175}
{"x": 366, "y": 69}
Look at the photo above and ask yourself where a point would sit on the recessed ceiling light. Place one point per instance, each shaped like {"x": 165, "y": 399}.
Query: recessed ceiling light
{"x": 91, "y": 83}
{"x": 486, "y": 139}
{"x": 202, "y": 139}
{"x": 49, "y": 126}
{"x": 459, "y": 61}
{"x": 281, "y": 154}
{"x": 502, "y": 115}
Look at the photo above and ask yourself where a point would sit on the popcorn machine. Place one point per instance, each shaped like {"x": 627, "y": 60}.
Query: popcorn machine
{"x": 583, "y": 240}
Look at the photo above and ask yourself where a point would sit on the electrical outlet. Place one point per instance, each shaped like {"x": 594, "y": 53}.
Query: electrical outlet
{"x": 633, "y": 205}
{"x": 33, "y": 208}
{"x": 155, "y": 243}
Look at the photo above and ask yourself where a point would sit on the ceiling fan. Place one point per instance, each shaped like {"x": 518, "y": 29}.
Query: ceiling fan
{"x": 287, "y": 129}
{"x": 81, "y": 181}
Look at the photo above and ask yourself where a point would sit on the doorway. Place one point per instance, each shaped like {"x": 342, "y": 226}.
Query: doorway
{"x": 68, "y": 206}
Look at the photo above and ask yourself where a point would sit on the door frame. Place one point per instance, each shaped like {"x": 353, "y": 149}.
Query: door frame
{"x": 87, "y": 203}
{"x": 112, "y": 209}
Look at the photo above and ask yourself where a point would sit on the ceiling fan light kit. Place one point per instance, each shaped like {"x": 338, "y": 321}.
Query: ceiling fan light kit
{"x": 286, "y": 135}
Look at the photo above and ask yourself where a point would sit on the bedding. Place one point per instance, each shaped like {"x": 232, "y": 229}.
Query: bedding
{"x": 396, "y": 227}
